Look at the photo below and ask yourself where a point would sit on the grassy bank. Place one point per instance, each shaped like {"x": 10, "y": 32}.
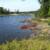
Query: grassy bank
{"x": 26, "y": 45}
{"x": 36, "y": 43}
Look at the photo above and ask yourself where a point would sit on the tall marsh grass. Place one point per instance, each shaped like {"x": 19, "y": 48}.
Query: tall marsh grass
{"x": 29, "y": 44}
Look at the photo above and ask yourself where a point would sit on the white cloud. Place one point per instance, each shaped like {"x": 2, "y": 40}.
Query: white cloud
{"x": 27, "y": 5}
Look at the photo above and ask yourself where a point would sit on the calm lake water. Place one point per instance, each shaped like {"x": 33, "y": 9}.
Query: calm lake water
{"x": 9, "y": 27}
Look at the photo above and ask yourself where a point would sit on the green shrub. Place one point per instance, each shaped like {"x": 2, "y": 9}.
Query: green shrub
{"x": 48, "y": 21}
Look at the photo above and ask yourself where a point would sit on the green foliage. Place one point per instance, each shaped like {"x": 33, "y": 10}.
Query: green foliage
{"x": 39, "y": 43}
{"x": 45, "y": 8}
{"x": 4, "y": 11}
{"x": 48, "y": 21}
{"x": 49, "y": 12}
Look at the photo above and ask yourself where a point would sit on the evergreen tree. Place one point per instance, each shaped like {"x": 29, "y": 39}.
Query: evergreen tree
{"x": 4, "y": 11}
{"x": 45, "y": 8}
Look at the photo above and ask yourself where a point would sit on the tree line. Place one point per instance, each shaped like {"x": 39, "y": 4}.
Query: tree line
{"x": 4, "y": 11}
{"x": 44, "y": 11}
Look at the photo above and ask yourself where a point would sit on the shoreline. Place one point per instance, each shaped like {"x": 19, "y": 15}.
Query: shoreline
{"x": 8, "y": 14}
{"x": 14, "y": 14}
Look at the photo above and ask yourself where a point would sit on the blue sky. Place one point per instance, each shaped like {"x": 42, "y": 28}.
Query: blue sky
{"x": 22, "y": 5}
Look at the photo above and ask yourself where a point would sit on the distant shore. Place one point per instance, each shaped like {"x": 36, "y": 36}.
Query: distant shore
{"x": 14, "y": 14}
{"x": 8, "y": 14}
